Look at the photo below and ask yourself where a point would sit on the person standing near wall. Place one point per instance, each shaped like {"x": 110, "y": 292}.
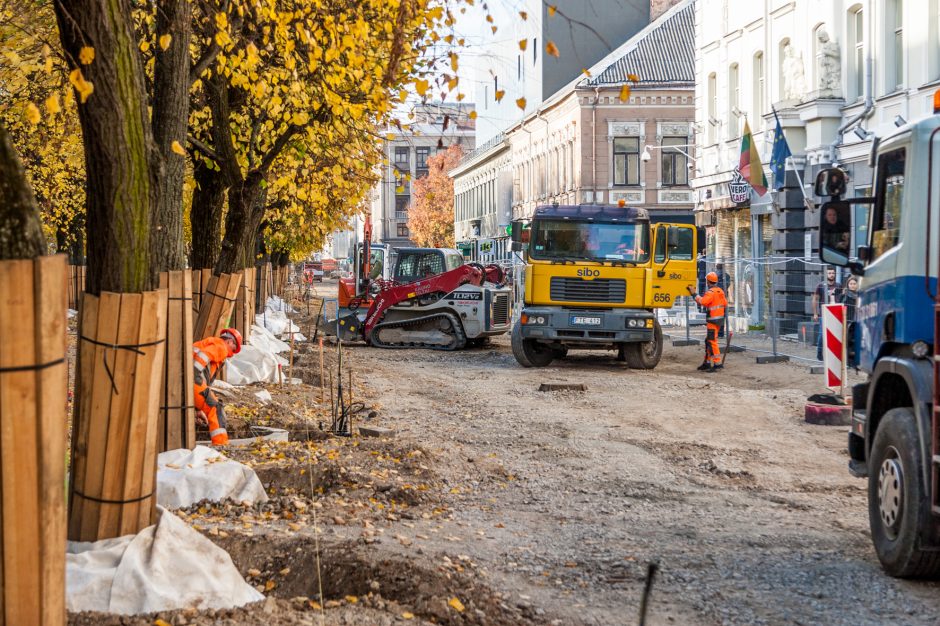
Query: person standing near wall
{"x": 827, "y": 292}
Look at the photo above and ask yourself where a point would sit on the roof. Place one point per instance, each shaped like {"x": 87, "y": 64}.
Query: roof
{"x": 663, "y": 52}
{"x": 598, "y": 212}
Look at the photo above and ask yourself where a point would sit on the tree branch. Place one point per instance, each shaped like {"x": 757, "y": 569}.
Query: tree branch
{"x": 201, "y": 147}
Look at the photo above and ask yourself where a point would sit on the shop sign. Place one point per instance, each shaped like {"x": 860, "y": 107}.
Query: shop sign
{"x": 739, "y": 188}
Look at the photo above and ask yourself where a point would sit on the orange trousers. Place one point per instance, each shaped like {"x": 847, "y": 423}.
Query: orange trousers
{"x": 212, "y": 408}
{"x": 712, "y": 349}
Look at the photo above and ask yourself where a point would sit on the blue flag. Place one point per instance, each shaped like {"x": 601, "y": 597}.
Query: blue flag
{"x": 779, "y": 156}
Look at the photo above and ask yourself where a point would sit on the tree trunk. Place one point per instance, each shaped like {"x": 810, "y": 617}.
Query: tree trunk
{"x": 205, "y": 215}
{"x": 245, "y": 212}
{"x": 122, "y": 164}
{"x": 20, "y": 229}
{"x": 170, "y": 122}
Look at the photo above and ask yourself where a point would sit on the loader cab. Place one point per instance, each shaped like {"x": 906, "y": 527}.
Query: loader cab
{"x": 417, "y": 263}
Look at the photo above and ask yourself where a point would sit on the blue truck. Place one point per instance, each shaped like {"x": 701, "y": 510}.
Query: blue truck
{"x": 894, "y": 441}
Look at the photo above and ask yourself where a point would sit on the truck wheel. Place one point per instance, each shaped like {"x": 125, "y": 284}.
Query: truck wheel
{"x": 645, "y": 355}
{"x": 529, "y": 352}
{"x": 898, "y": 505}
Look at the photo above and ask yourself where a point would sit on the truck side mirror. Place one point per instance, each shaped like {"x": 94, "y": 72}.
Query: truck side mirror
{"x": 672, "y": 238}
{"x": 830, "y": 182}
{"x": 835, "y": 232}
{"x": 517, "y": 231}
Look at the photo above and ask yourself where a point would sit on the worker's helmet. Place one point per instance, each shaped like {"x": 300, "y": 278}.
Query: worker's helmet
{"x": 236, "y": 337}
{"x": 711, "y": 277}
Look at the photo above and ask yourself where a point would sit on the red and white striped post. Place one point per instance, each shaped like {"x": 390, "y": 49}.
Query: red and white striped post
{"x": 834, "y": 346}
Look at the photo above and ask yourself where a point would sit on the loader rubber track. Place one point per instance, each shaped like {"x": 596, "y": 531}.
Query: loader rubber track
{"x": 458, "y": 337}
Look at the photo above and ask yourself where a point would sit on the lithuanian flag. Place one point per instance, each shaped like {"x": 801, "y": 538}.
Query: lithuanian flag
{"x": 750, "y": 166}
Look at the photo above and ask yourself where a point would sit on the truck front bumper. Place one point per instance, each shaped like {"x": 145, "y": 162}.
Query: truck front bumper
{"x": 557, "y": 324}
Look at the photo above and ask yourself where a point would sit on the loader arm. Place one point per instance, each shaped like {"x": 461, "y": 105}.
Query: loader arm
{"x": 440, "y": 283}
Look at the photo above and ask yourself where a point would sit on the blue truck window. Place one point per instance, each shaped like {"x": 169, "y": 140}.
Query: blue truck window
{"x": 886, "y": 226}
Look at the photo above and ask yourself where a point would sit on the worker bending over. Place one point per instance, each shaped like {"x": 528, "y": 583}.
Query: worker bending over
{"x": 714, "y": 303}
{"x": 208, "y": 356}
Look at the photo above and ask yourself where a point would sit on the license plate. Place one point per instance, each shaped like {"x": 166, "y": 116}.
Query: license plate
{"x": 578, "y": 320}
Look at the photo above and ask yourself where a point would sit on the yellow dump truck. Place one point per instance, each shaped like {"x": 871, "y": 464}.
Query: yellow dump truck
{"x": 594, "y": 275}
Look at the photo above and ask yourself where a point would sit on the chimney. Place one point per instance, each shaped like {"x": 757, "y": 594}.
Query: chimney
{"x": 658, "y": 7}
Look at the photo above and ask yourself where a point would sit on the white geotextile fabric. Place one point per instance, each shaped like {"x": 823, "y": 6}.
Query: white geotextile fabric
{"x": 258, "y": 360}
{"x": 275, "y": 303}
{"x": 279, "y": 324}
{"x": 185, "y": 477}
{"x": 165, "y": 566}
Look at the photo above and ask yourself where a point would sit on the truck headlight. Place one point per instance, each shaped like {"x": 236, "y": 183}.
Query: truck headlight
{"x": 920, "y": 349}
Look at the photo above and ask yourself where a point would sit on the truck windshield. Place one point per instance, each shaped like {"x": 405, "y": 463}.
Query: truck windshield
{"x": 594, "y": 241}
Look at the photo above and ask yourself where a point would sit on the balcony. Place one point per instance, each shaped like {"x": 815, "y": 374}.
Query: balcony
{"x": 401, "y": 215}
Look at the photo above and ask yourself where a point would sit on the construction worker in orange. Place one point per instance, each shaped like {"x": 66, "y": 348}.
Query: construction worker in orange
{"x": 714, "y": 303}
{"x": 208, "y": 356}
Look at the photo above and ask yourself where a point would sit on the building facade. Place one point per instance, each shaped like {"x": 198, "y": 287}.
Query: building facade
{"x": 435, "y": 126}
{"x": 582, "y": 32}
{"x": 836, "y": 72}
{"x": 584, "y": 144}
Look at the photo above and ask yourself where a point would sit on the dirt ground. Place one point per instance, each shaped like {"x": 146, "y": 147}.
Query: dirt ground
{"x": 495, "y": 503}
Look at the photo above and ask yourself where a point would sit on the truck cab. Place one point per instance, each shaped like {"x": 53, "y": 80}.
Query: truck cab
{"x": 893, "y": 441}
{"x": 594, "y": 275}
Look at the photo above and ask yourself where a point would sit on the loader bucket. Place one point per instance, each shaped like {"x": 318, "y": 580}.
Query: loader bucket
{"x": 349, "y": 328}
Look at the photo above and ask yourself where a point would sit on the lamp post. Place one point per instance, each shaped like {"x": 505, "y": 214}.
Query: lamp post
{"x": 646, "y": 156}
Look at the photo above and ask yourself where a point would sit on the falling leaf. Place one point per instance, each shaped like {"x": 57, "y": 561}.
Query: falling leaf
{"x": 86, "y": 55}
{"x": 421, "y": 86}
{"x": 499, "y": 94}
{"x": 494, "y": 29}
{"x": 456, "y": 604}
{"x": 407, "y": 615}
{"x": 520, "y": 102}
{"x": 32, "y": 114}
{"x": 633, "y": 77}
{"x": 165, "y": 41}
{"x": 82, "y": 86}
{"x": 523, "y": 15}
{"x": 523, "y": 43}
{"x": 473, "y": 115}
{"x": 552, "y": 49}
{"x": 177, "y": 148}
{"x": 586, "y": 72}
{"x": 624, "y": 93}
{"x": 551, "y": 10}
{"x": 52, "y": 104}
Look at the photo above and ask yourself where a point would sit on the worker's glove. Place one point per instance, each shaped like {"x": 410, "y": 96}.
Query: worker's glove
{"x": 201, "y": 419}
{"x": 690, "y": 290}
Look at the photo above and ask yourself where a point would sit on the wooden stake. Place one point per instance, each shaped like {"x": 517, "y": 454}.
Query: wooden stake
{"x": 321, "y": 370}
{"x": 290, "y": 372}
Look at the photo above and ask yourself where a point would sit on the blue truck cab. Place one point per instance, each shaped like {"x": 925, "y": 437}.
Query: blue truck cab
{"x": 893, "y": 441}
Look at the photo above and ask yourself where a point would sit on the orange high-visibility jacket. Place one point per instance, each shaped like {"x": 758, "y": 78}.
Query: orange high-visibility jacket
{"x": 210, "y": 354}
{"x": 714, "y": 301}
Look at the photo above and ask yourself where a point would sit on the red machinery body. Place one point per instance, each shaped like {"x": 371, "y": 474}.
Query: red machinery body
{"x": 392, "y": 293}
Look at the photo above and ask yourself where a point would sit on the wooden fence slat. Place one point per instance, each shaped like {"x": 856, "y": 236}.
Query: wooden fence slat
{"x": 176, "y": 427}
{"x": 53, "y": 389}
{"x": 32, "y": 440}
{"x": 18, "y": 450}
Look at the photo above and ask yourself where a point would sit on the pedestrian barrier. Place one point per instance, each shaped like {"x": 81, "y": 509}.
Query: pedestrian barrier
{"x": 834, "y": 351}
{"x": 122, "y": 340}
{"x": 33, "y": 432}
{"x": 176, "y": 427}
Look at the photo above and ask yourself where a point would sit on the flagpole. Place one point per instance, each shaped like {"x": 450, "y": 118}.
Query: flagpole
{"x": 807, "y": 201}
